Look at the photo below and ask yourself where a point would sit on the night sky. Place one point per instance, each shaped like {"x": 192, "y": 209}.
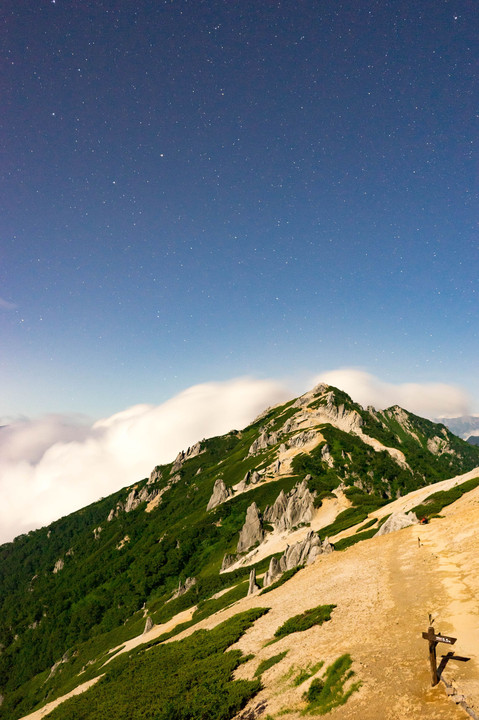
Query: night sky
{"x": 195, "y": 191}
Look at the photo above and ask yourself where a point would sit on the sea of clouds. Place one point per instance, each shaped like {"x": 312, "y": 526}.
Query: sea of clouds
{"x": 53, "y": 465}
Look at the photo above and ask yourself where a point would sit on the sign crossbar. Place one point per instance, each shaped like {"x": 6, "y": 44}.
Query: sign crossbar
{"x": 433, "y": 639}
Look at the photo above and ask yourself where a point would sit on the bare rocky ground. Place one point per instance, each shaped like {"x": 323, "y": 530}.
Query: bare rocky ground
{"x": 384, "y": 589}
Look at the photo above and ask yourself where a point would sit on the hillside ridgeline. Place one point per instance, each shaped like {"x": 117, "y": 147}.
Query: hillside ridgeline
{"x": 265, "y": 498}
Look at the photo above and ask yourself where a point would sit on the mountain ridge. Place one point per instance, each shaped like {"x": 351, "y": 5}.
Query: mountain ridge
{"x": 128, "y": 553}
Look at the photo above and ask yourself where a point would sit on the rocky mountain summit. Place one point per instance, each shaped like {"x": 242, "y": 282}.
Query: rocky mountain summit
{"x": 229, "y": 518}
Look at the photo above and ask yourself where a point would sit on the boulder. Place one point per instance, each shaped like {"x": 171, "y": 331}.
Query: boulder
{"x": 148, "y": 625}
{"x": 228, "y": 561}
{"x": 397, "y": 521}
{"x": 273, "y": 573}
{"x": 277, "y": 510}
{"x": 183, "y": 587}
{"x": 255, "y": 477}
{"x": 299, "y": 507}
{"x": 301, "y": 553}
{"x": 220, "y": 494}
{"x": 252, "y": 530}
{"x": 263, "y": 442}
{"x": 252, "y": 583}
{"x": 304, "y": 552}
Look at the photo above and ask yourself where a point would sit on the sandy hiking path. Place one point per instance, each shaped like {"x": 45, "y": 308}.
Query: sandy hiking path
{"x": 384, "y": 589}
{"x": 49, "y": 707}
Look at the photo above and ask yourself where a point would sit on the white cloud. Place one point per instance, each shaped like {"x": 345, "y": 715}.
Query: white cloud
{"x": 425, "y": 399}
{"x": 54, "y": 465}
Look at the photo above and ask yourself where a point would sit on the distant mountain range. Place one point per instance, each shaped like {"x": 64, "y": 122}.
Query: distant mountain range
{"x": 231, "y": 516}
{"x": 463, "y": 426}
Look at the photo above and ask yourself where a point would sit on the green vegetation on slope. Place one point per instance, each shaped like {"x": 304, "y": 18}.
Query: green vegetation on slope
{"x": 101, "y": 586}
{"x": 189, "y": 679}
{"x": 307, "y": 672}
{"x": 437, "y": 501}
{"x": 353, "y": 539}
{"x": 298, "y": 623}
{"x": 329, "y": 692}
{"x": 269, "y": 662}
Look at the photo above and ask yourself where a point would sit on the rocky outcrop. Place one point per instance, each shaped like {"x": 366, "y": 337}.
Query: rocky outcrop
{"x": 183, "y": 456}
{"x": 293, "y": 509}
{"x": 263, "y": 442}
{"x": 252, "y": 530}
{"x": 302, "y": 553}
{"x": 123, "y": 542}
{"x": 148, "y": 625}
{"x": 221, "y": 493}
{"x": 155, "y": 475}
{"x": 308, "y": 397}
{"x": 134, "y": 499}
{"x": 397, "y": 521}
{"x": 326, "y": 455}
{"x": 339, "y": 413}
{"x": 252, "y": 477}
{"x": 326, "y": 547}
{"x": 228, "y": 561}
{"x": 273, "y": 572}
{"x": 56, "y": 665}
{"x": 59, "y": 565}
{"x": 276, "y": 469}
{"x": 438, "y": 445}
{"x": 276, "y": 511}
{"x": 97, "y": 532}
{"x": 252, "y": 583}
{"x": 302, "y": 438}
{"x": 183, "y": 587}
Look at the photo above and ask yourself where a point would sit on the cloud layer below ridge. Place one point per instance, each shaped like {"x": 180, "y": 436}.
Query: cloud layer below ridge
{"x": 56, "y": 464}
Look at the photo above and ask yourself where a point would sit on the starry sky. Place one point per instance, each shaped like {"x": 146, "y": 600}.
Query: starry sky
{"x": 198, "y": 190}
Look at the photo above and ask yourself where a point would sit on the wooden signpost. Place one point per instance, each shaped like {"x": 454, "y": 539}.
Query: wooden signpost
{"x": 433, "y": 639}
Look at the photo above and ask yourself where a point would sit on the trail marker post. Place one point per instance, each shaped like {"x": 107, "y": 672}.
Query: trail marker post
{"x": 433, "y": 639}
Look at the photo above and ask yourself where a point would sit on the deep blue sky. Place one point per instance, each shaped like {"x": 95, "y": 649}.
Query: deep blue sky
{"x": 192, "y": 191}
